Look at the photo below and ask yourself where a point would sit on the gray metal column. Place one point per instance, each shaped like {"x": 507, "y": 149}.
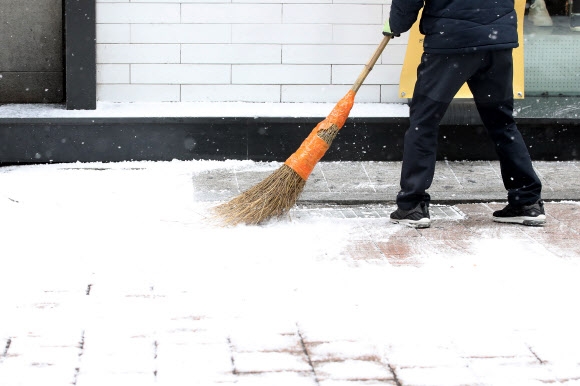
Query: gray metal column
{"x": 80, "y": 40}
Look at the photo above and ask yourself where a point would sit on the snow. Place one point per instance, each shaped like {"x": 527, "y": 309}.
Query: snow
{"x": 116, "y": 270}
{"x": 200, "y": 109}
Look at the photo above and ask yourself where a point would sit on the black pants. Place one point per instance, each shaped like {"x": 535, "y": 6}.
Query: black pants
{"x": 489, "y": 77}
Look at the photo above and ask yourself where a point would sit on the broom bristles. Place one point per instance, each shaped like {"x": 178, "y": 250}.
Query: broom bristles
{"x": 278, "y": 193}
{"x": 273, "y": 197}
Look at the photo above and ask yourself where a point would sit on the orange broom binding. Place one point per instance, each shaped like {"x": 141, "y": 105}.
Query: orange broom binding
{"x": 340, "y": 112}
{"x": 316, "y": 144}
{"x": 307, "y": 156}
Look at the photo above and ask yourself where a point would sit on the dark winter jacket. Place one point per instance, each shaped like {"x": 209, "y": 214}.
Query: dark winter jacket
{"x": 455, "y": 26}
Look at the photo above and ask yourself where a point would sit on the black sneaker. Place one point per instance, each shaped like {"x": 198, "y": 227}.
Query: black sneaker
{"x": 526, "y": 214}
{"x": 418, "y": 217}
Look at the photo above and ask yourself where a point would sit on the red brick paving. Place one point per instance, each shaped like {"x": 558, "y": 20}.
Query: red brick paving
{"x": 401, "y": 245}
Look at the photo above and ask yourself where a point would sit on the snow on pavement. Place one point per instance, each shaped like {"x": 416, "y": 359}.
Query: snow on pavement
{"x": 113, "y": 274}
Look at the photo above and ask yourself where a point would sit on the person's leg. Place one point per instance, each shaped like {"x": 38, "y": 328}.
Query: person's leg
{"x": 439, "y": 77}
{"x": 493, "y": 94}
{"x": 420, "y": 150}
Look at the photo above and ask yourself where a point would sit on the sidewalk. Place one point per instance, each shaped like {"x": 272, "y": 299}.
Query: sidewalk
{"x": 378, "y": 182}
{"x": 112, "y": 274}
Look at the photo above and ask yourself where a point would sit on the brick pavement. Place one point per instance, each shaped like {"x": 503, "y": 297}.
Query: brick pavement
{"x": 455, "y": 226}
{"x": 388, "y": 311}
{"x": 113, "y": 345}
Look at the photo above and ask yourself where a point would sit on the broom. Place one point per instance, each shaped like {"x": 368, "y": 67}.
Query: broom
{"x": 277, "y": 193}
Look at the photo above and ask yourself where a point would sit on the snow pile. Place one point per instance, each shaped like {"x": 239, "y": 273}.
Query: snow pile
{"x": 201, "y": 109}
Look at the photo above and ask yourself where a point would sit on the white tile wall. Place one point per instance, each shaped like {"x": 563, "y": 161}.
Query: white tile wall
{"x": 333, "y": 14}
{"x": 394, "y": 54}
{"x": 181, "y": 33}
{"x": 231, "y": 13}
{"x": 180, "y": 74}
{"x": 243, "y": 50}
{"x": 280, "y": 74}
{"x": 137, "y": 92}
{"x": 327, "y": 93}
{"x": 230, "y": 93}
{"x": 231, "y": 53}
{"x": 113, "y": 73}
{"x": 282, "y": 33}
{"x": 327, "y": 54}
{"x": 113, "y": 33}
{"x": 123, "y": 13}
{"x": 356, "y": 34}
{"x": 390, "y": 94}
{"x": 138, "y": 53}
{"x": 380, "y": 74}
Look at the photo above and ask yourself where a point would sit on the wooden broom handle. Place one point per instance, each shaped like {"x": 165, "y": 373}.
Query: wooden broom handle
{"x": 369, "y": 66}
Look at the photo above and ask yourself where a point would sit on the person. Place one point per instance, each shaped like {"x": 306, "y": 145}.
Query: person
{"x": 465, "y": 41}
{"x": 538, "y": 14}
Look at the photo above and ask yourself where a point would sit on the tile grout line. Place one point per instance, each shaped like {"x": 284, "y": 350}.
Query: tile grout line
{"x": 236, "y": 179}
{"x": 452, "y": 172}
{"x": 493, "y": 169}
{"x": 6, "y": 348}
{"x": 325, "y": 180}
{"x": 369, "y": 178}
{"x": 541, "y": 176}
{"x": 394, "y": 374}
{"x": 232, "y": 359}
{"x": 305, "y": 350}
{"x": 82, "y": 350}
{"x": 155, "y": 354}
{"x": 542, "y": 362}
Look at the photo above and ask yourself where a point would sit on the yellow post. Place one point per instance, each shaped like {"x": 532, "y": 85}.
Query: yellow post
{"x": 415, "y": 50}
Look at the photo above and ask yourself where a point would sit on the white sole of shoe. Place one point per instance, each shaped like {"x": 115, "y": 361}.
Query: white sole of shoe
{"x": 524, "y": 220}
{"x": 423, "y": 223}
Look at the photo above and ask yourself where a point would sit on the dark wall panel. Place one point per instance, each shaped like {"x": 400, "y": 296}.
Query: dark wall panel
{"x": 262, "y": 139}
{"x": 31, "y": 54}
